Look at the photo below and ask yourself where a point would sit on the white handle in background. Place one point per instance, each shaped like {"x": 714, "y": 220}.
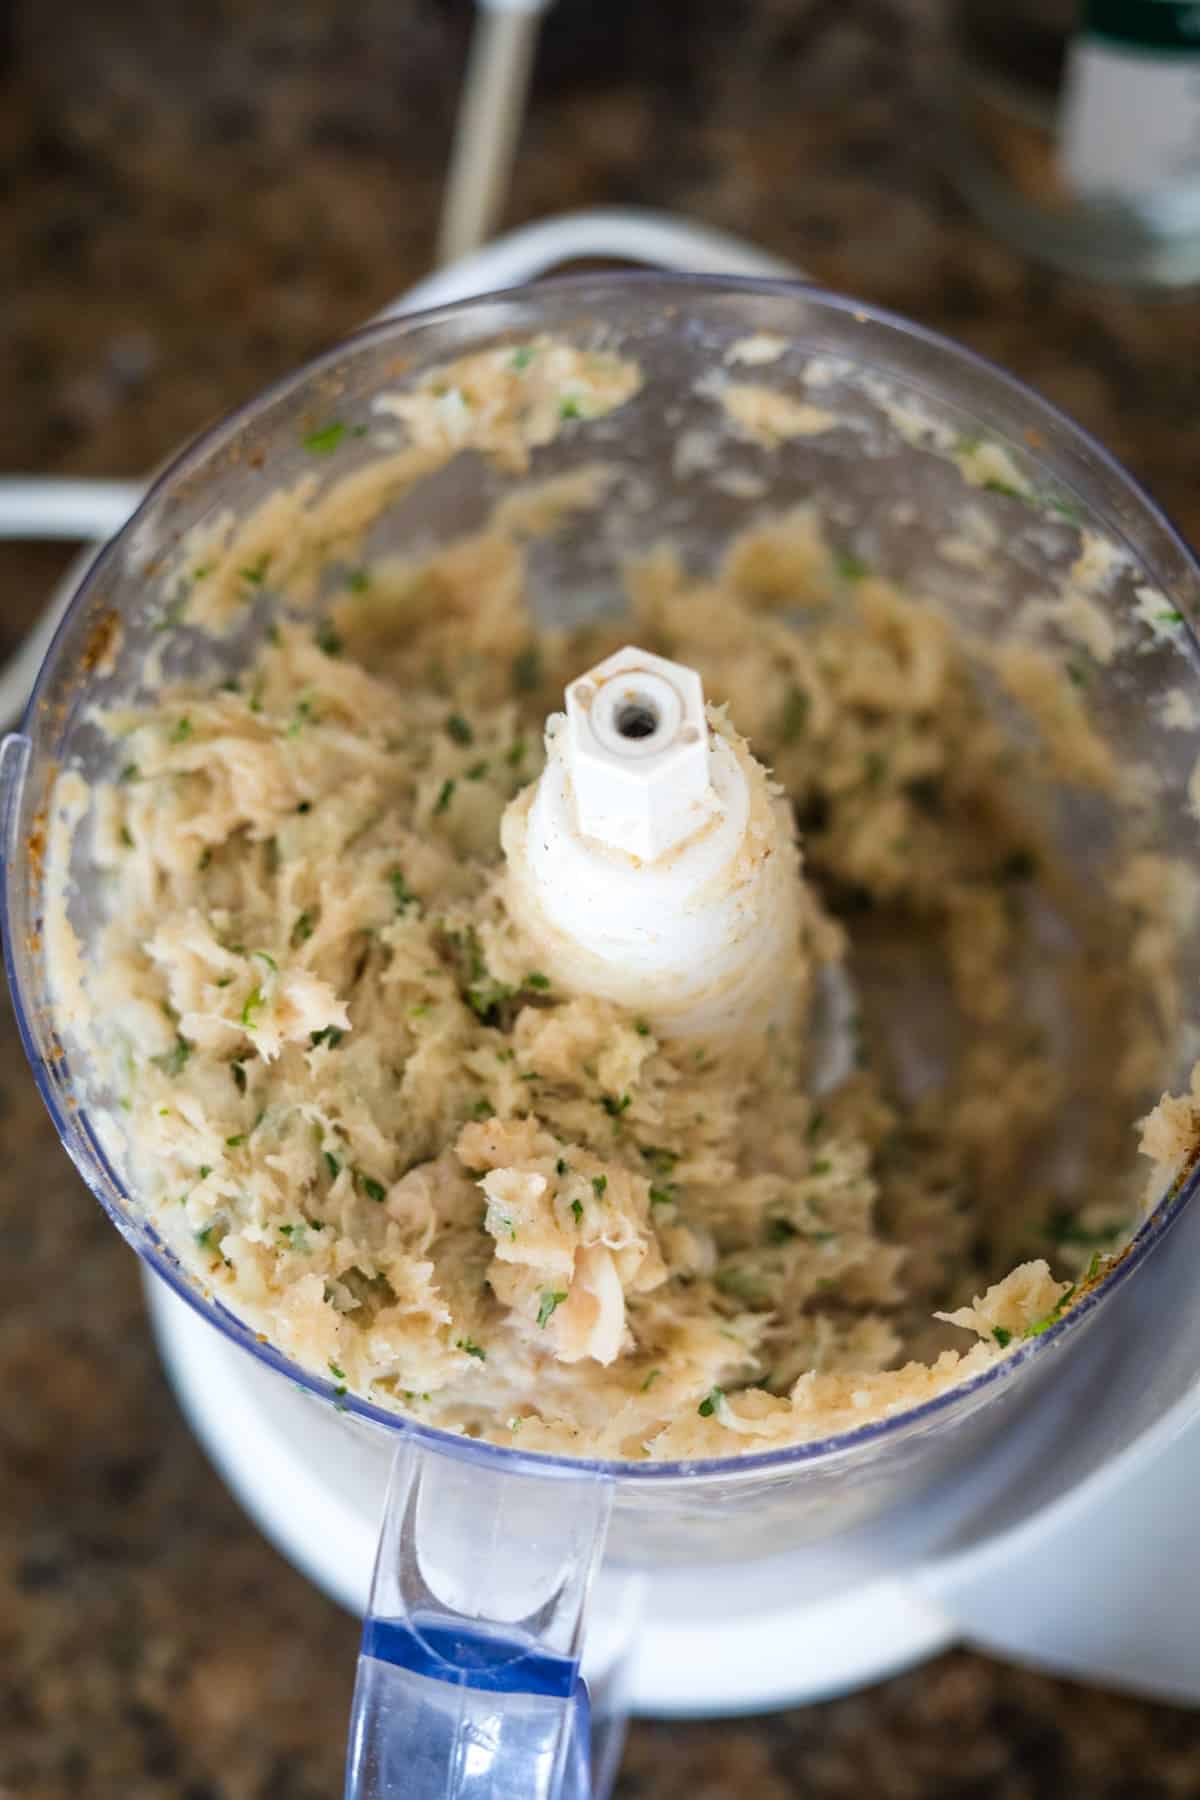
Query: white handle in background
{"x": 89, "y": 511}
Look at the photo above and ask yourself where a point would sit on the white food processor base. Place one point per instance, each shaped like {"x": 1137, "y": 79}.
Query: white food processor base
{"x": 1104, "y": 1585}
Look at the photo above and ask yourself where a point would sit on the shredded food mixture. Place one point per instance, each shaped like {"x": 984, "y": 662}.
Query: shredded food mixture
{"x": 366, "y": 1120}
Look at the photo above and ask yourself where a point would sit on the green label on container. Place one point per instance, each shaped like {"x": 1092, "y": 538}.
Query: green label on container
{"x": 1145, "y": 24}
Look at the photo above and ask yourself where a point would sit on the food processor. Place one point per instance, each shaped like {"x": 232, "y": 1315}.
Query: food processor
{"x": 521, "y": 1604}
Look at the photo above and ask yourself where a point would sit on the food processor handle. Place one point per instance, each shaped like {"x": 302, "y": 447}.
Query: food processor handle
{"x": 468, "y": 1681}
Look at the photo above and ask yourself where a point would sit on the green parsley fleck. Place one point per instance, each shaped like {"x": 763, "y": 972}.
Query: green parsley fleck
{"x": 127, "y": 837}
{"x": 477, "y": 771}
{"x": 205, "y": 858}
{"x": 661, "y": 1161}
{"x": 561, "y": 1167}
{"x": 235, "y": 1142}
{"x": 460, "y": 729}
{"x": 338, "y": 1374}
{"x": 302, "y": 930}
{"x": 1002, "y": 1336}
{"x": 238, "y": 1071}
{"x": 256, "y": 572}
{"x": 328, "y": 639}
{"x": 373, "y": 1189}
{"x": 570, "y": 409}
{"x": 401, "y": 892}
{"x": 641, "y": 1027}
{"x": 332, "y": 1164}
{"x": 822, "y": 1166}
{"x": 358, "y": 581}
{"x": 536, "y": 980}
{"x": 329, "y": 1034}
{"x": 471, "y": 1349}
{"x": 522, "y": 358}
{"x": 599, "y": 1186}
{"x": 444, "y": 797}
{"x": 172, "y": 1061}
{"x": 849, "y": 566}
{"x": 781, "y": 1231}
{"x": 203, "y": 1236}
{"x": 1170, "y": 616}
{"x": 651, "y": 1378}
{"x": 577, "y": 1209}
{"x": 182, "y": 731}
{"x": 662, "y": 1196}
{"x": 514, "y": 756}
{"x": 549, "y": 1304}
{"x": 482, "y": 1109}
{"x": 205, "y": 1171}
{"x": 130, "y": 772}
{"x": 711, "y": 1402}
{"x": 254, "y": 1002}
{"x": 1003, "y": 487}
{"x": 527, "y": 669}
{"x": 325, "y": 441}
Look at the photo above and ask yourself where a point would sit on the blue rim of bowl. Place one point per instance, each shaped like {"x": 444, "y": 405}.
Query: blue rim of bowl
{"x": 139, "y": 1232}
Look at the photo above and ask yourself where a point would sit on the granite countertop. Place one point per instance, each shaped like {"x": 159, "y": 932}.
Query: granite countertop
{"x": 200, "y": 196}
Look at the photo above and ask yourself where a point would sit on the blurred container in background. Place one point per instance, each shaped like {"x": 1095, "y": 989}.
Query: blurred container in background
{"x": 1078, "y": 131}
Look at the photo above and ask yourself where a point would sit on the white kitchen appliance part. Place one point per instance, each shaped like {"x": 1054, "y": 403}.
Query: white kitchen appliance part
{"x": 1057, "y": 1542}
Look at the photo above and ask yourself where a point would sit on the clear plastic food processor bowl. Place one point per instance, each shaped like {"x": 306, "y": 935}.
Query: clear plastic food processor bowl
{"x": 468, "y": 1682}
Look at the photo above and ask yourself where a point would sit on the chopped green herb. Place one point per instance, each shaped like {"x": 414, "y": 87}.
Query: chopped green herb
{"x": 401, "y": 892}
{"x": 709, "y": 1405}
{"x": 305, "y": 806}
{"x": 477, "y": 771}
{"x": 373, "y": 1189}
{"x": 527, "y": 669}
{"x": 264, "y": 957}
{"x": 460, "y": 729}
{"x": 203, "y": 1236}
{"x": 1092, "y": 1267}
{"x": 662, "y": 1162}
{"x": 561, "y": 1166}
{"x": 1053, "y": 1316}
{"x": 577, "y": 1209}
{"x": 238, "y": 1071}
{"x": 1170, "y": 616}
{"x": 599, "y": 1186}
{"x": 127, "y": 837}
{"x": 641, "y": 1027}
{"x": 822, "y": 1166}
{"x": 662, "y": 1196}
{"x": 536, "y": 980}
{"x": 130, "y": 772}
{"x": 482, "y": 1109}
{"x": 444, "y": 797}
{"x": 470, "y": 1348}
{"x": 329, "y": 1034}
{"x": 1066, "y": 508}
{"x": 651, "y": 1378}
{"x": 172, "y": 1061}
{"x": 332, "y": 1164}
{"x": 302, "y": 930}
{"x": 781, "y": 1231}
{"x": 515, "y": 754}
{"x": 549, "y": 1303}
{"x": 254, "y": 1001}
{"x": 256, "y": 572}
{"x": 328, "y": 639}
{"x": 358, "y": 581}
{"x": 236, "y": 1142}
{"x": 205, "y": 1171}
{"x": 182, "y": 731}
{"x": 570, "y": 409}
{"x": 1003, "y": 487}
{"x": 325, "y": 441}
{"x": 338, "y": 1374}
{"x": 849, "y": 566}
{"x": 1002, "y": 1336}
{"x": 522, "y": 358}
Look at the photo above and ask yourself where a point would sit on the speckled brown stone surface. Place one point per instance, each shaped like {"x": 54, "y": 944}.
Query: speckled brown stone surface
{"x": 199, "y": 195}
